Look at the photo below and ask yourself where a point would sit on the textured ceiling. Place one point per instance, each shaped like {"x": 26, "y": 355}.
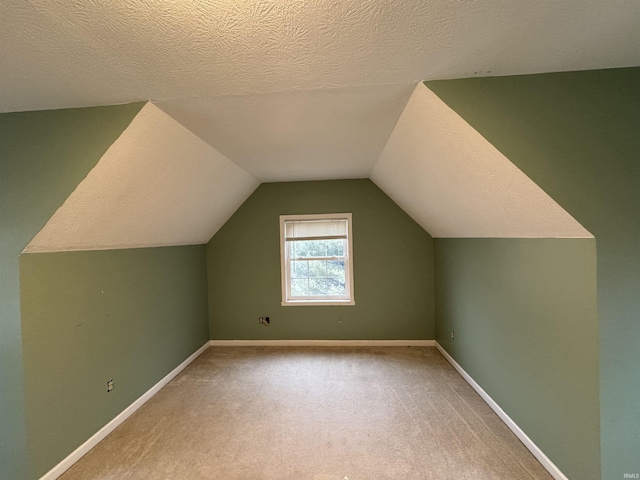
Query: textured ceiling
{"x": 291, "y": 90}
{"x": 68, "y": 53}
{"x": 456, "y": 184}
{"x": 157, "y": 185}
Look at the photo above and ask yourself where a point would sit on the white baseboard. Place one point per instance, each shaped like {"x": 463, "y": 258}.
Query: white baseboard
{"x": 82, "y": 450}
{"x": 532, "y": 447}
{"x": 322, "y": 343}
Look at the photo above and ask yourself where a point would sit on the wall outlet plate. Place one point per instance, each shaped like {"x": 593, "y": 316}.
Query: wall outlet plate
{"x": 109, "y": 385}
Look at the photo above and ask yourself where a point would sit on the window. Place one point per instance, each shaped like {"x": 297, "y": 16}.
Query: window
{"x": 317, "y": 259}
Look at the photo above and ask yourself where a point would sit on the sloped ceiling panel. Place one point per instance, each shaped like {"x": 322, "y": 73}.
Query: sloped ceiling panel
{"x": 299, "y": 135}
{"x": 454, "y": 183}
{"x": 157, "y": 185}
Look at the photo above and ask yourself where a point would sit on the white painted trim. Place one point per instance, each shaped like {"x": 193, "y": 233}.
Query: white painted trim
{"x": 322, "y": 343}
{"x": 317, "y": 303}
{"x": 284, "y": 264}
{"x": 532, "y": 447}
{"x": 83, "y": 449}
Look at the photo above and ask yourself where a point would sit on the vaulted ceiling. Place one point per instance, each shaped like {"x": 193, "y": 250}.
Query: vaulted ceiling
{"x": 295, "y": 90}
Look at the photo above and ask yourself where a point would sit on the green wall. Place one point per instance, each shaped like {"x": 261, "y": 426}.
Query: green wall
{"x": 43, "y": 157}
{"x": 127, "y": 315}
{"x": 393, "y": 268}
{"x": 61, "y": 338}
{"x": 525, "y": 319}
{"x": 576, "y": 135}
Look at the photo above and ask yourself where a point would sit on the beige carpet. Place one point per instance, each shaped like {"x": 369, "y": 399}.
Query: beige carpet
{"x": 296, "y": 413}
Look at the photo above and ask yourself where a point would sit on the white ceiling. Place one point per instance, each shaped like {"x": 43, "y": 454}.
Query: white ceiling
{"x": 69, "y": 53}
{"x": 294, "y": 90}
{"x": 454, "y": 183}
{"x": 298, "y": 135}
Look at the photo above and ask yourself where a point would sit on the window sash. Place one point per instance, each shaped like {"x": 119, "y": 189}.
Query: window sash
{"x": 290, "y": 277}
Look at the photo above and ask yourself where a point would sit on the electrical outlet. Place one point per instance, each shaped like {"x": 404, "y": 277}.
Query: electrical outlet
{"x": 453, "y": 335}
{"x": 109, "y": 385}
{"x": 263, "y": 321}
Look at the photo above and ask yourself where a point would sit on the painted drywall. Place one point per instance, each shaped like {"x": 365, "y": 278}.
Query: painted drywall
{"x": 392, "y": 258}
{"x": 576, "y": 135}
{"x": 157, "y": 185}
{"x": 525, "y": 323}
{"x": 43, "y": 156}
{"x": 127, "y": 315}
{"x": 318, "y": 134}
{"x": 454, "y": 183}
{"x": 98, "y": 53}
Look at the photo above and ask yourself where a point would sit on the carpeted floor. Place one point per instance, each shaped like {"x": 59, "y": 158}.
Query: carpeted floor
{"x": 294, "y": 413}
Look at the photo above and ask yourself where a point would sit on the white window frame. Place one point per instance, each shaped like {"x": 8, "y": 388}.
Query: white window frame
{"x": 285, "y": 263}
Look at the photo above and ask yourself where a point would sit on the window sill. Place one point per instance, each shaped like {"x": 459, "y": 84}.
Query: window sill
{"x": 317, "y": 303}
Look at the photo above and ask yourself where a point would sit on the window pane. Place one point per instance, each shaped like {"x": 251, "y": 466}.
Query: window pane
{"x": 335, "y": 248}
{"x": 308, "y": 248}
{"x": 299, "y": 287}
{"x": 317, "y": 248}
{"x": 299, "y": 249}
{"x": 336, "y": 286}
{"x": 317, "y": 268}
{"x": 299, "y": 269}
{"x": 335, "y": 268}
{"x": 326, "y": 286}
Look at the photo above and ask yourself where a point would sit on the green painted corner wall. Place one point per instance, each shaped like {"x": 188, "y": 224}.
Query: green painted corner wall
{"x": 43, "y": 157}
{"x": 525, "y": 318}
{"x": 393, "y": 268}
{"x": 60, "y": 335}
{"x": 576, "y": 135}
{"x": 127, "y": 315}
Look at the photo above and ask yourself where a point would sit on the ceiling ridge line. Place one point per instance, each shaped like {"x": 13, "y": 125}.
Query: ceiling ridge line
{"x": 283, "y": 91}
{"x": 395, "y": 125}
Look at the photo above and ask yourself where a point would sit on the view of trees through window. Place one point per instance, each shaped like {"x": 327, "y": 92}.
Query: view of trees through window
{"x": 317, "y": 267}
